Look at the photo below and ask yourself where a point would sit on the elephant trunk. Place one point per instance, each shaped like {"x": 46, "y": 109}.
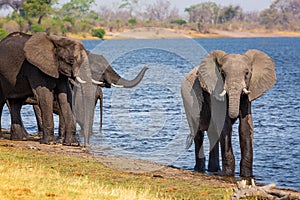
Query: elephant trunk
{"x": 234, "y": 106}
{"x": 234, "y": 95}
{"x": 118, "y": 81}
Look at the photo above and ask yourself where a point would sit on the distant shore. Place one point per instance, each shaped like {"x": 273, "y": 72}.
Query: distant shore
{"x": 163, "y": 33}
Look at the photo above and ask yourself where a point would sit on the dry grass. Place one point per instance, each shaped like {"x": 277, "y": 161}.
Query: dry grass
{"x": 31, "y": 174}
{"x": 23, "y": 180}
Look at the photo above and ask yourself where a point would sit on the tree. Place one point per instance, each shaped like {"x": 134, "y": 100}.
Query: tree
{"x": 77, "y": 8}
{"x": 228, "y": 13}
{"x": 161, "y": 10}
{"x": 14, "y": 4}
{"x": 36, "y": 9}
{"x": 130, "y": 5}
{"x": 204, "y": 13}
{"x": 283, "y": 14}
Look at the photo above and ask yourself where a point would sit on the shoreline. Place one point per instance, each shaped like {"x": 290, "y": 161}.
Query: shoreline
{"x": 165, "y": 33}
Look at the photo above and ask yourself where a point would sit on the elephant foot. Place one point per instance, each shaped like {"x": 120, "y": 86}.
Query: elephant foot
{"x": 19, "y": 137}
{"x": 48, "y": 139}
{"x": 18, "y": 133}
{"x": 246, "y": 173}
{"x": 71, "y": 140}
{"x": 200, "y": 165}
{"x": 213, "y": 167}
{"x": 227, "y": 172}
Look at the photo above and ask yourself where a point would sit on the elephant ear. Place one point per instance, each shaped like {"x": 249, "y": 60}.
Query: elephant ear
{"x": 263, "y": 73}
{"x": 209, "y": 74}
{"x": 40, "y": 51}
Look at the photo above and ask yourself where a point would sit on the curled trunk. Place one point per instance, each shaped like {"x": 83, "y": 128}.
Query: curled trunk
{"x": 115, "y": 79}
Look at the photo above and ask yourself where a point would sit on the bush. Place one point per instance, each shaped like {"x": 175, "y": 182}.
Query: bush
{"x": 132, "y": 21}
{"x": 36, "y": 28}
{"x": 98, "y": 32}
{"x": 3, "y": 33}
{"x": 178, "y": 21}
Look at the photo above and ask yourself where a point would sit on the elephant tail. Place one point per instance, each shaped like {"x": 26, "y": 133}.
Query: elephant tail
{"x": 189, "y": 141}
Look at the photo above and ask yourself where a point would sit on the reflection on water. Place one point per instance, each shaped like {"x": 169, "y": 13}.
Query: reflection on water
{"x": 148, "y": 121}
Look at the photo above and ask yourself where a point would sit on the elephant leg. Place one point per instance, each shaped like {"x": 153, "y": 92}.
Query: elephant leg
{"x": 213, "y": 162}
{"x": 17, "y": 131}
{"x": 246, "y": 140}
{"x": 199, "y": 152}
{"x": 64, "y": 100}
{"x": 61, "y": 126}
{"x": 99, "y": 95}
{"x": 45, "y": 103}
{"x": 2, "y": 102}
{"x": 228, "y": 161}
{"x": 61, "y": 120}
{"x": 38, "y": 116}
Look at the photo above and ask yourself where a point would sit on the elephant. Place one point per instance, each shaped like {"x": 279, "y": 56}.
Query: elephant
{"x": 217, "y": 93}
{"x": 36, "y": 66}
{"x": 99, "y": 69}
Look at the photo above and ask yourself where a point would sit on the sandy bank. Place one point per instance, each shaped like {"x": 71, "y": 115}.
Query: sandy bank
{"x": 163, "y": 33}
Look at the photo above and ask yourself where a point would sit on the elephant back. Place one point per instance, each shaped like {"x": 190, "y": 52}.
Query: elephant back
{"x": 12, "y": 55}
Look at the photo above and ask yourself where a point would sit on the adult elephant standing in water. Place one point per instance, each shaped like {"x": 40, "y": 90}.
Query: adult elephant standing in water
{"x": 215, "y": 95}
{"x": 97, "y": 68}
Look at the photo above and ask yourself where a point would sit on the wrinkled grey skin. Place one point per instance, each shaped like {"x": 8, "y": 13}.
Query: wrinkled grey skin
{"x": 36, "y": 66}
{"x": 215, "y": 95}
{"x": 96, "y": 67}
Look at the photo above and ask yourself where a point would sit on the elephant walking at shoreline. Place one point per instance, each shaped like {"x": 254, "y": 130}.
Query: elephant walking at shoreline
{"x": 215, "y": 95}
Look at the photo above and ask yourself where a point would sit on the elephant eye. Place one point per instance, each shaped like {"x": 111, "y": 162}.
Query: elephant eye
{"x": 223, "y": 74}
{"x": 247, "y": 74}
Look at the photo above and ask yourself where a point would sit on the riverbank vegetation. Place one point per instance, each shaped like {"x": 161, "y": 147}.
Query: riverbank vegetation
{"x": 83, "y": 17}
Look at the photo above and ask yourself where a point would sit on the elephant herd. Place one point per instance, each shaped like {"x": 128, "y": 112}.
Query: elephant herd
{"x": 57, "y": 74}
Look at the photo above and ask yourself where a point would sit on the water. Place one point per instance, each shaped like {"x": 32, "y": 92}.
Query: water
{"x": 148, "y": 121}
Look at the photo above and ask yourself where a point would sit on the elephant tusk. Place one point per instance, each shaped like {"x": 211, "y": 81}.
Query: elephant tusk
{"x": 246, "y": 91}
{"x": 223, "y": 93}
{"x": 117, "y": 86}
{"x": 97, "y": 82}
{"x": 80, "y": 80}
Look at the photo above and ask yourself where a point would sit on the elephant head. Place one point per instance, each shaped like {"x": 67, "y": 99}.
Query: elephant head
{"x": 107, "y": 76}
{"x": 251, "y": 73}
{"x": 55, "y": 55}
